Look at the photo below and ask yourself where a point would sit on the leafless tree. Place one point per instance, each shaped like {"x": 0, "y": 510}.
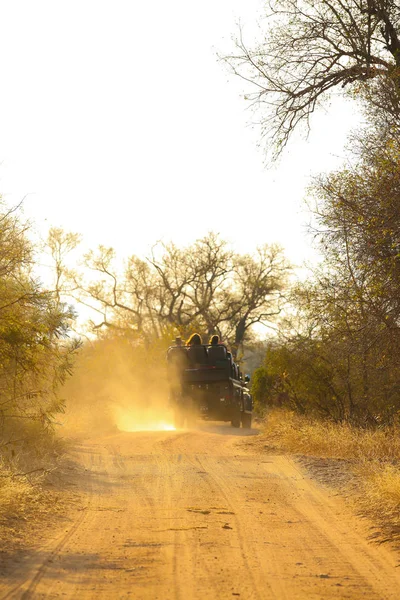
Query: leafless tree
{"x": 119, "y": 297}
{"x": 311, "y": 49}
{"x": 205, "y": 287}
{"x": 60, "y": 243}
{"x": 260, "y": 281}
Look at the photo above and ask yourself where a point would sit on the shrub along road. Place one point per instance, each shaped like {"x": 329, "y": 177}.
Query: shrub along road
{"x": 200, "y": 514}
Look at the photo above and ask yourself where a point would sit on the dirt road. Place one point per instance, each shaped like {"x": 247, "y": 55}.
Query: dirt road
{"x": 201, "y": 515}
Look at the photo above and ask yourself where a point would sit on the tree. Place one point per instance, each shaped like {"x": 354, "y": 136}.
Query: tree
{"x": 358, "y": 214}
{"x": 195, "y": 280}
{"x": 120, "y": 298}
{"x": 262, "y": 388}
{"x": 339, "y": 352}
{"x": 35, "y": 353}
{"x": 311, "y": 49}
{"x": 60, "y": 243}
{"x": 260, "y": 281}
{"x": 205, "y": 286}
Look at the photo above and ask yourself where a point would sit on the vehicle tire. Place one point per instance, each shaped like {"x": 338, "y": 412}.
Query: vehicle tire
{"x": 246, "y": 420}
{"x": 235, "y": 420}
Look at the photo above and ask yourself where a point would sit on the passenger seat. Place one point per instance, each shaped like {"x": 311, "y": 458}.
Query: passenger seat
{"x": 216, "y": 353}
{"x": 197, "y": 355}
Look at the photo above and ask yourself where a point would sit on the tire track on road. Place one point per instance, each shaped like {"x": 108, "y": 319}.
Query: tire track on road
{"x": 50, "y": 556}
{"x": 227, "y": 493}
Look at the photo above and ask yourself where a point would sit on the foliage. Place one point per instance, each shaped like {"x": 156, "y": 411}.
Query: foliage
{"x": 337, "y": 351}
{"x": 338, "y": 354}
{"x": 35, "y": 354}
{"x": 262, "y": 384}
{"x": 59, "y": 244}
{"x": 310, "y": 49}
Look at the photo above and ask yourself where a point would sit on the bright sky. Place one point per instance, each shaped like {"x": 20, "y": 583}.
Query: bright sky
{"x": 118, "y": 122}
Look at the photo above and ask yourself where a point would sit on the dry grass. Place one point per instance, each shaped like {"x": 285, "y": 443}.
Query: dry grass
{"x": 17, "y": 497}
{"x": 307, "y": 436}
{"x": 31, "y": 490}
{"x": 373, "y": 456}
{"x": 21, "y": 504}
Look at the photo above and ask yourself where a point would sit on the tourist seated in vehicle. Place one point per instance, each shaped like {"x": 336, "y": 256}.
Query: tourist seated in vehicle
{"x": 197, "y": 353}
{"x": 176, "y": 351}
{"x": 178, "y": 341}
{"x": 216, "y": 351}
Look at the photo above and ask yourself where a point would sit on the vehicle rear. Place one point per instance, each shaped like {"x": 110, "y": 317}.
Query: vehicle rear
{"x": 210, "y": 386}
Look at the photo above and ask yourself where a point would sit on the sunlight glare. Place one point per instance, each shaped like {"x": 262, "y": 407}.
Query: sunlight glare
{"x": 127, "y": 420}
{"x": 131, "y": 427}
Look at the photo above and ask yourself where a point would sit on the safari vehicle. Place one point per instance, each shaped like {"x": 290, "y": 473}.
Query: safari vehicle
{"x": 206, "y": 383}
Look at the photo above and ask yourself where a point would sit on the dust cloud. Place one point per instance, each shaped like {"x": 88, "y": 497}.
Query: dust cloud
{"x": 127, "y": 419}
{"x": 118, "y": 383}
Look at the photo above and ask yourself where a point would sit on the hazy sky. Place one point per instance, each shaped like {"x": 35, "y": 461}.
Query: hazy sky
{"x": 117, "y": 121}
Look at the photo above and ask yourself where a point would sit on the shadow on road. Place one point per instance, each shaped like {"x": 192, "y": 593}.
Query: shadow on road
{"x": 20, "y": 569}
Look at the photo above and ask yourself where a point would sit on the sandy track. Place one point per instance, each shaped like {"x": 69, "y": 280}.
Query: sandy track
{"x": 190, "y": 515}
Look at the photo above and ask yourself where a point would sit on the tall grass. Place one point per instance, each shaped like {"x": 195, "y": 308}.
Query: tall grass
{"x": 323, "y": 438}
{"x": 17, "y": 496}
{"x": 27, "y": 494}
{"x": 21, "y": 501}
{"x": 373, "y": 456}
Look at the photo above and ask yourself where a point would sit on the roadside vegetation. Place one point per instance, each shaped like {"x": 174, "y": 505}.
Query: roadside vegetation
{"x": 330, "y": 380}
{"x": 332, "y": 367}
{"x": 363, "y": 463}
{"x": 337, "y": 353}
{"x": 36, "y": 357}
